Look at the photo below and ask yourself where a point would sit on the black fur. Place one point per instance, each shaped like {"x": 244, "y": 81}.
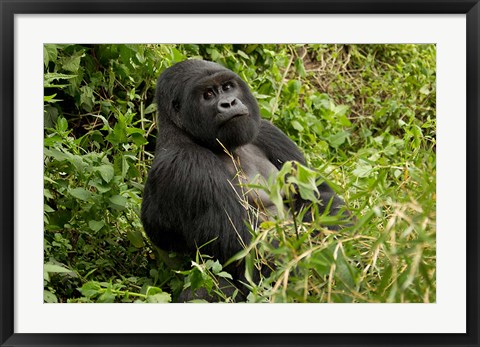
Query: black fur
{"x": 188, "y": 200}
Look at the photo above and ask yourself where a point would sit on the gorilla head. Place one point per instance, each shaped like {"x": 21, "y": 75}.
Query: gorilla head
{"x": 209, "y": 102}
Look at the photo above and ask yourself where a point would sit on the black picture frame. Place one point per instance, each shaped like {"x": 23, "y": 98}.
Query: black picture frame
{"x": 10, "y": 8}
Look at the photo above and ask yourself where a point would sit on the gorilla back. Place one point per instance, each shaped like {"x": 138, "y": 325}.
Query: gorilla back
{"x": 192, "y": 195}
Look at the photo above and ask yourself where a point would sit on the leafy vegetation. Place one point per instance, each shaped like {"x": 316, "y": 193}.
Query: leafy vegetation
{"x": 364, "y": 116}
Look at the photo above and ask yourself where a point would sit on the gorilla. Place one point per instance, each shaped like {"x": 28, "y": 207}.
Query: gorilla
{"x": 209, "y": 130}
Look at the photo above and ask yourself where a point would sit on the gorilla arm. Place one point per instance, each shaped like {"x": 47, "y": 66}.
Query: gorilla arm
{"x": 279, "y": 148}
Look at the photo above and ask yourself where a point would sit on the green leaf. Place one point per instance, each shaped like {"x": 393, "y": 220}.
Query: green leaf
{"x": 72, "y": 63}
{"x": 363, "y": 170}
{"x": 106, "y": 171}
{"x": 119, "y": 132}
{"x": 249, "y": 268}
{"x": 62, "y": 124}
{"x": 100, "y": 185}
{"x": 49, "y": 53}
{"x": 338, "y": 139}
{"x": 250, "y": 48}
{"x": 51, "y": 98}
{"x": 107, "y": 297}
{"x": 139, "y": 139}
{"x": 150, "y": 109}
{"x": 225, "y": 275}
{"x": 196, "y": 279}
{"x": 300, "y": 68}
{"x": 106, "y": 125}
{"x": 216, "y": 267}
{"x": 294, "y": 86}
{"x": 159, "y": 298}
{"x": 90, "y": 289}
{"x": 87, "y": 98}
{"x": 50, "y": 116}
{"x": 47, "y": 208}
{"x": 96, "y": 225}
{"x": 135, "y": 237}
{"x": 425, "y": 89}
{"x": 297, "y": 126}
{"x": 214, "y": 54}
{"x": 243, "y": 54}
{"x": 320, "y": 101}
{"x": 49, "y": 77}
{"x": 49, "y": 297}
{"x": 55, "y": 268}
{"x": 81, "y": 194}
{"x": 118, "y": 202}
{"x": 307, "y": 183}
{"x": 177, "y": 56}
{"x": 341, "y": 110}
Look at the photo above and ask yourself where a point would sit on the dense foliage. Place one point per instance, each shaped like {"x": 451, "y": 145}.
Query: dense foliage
{"x": 364, "y": 116}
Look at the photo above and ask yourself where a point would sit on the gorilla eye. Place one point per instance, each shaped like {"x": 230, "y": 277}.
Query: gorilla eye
{"x": 227, "y": 86}
{"x": 208, "y": 94}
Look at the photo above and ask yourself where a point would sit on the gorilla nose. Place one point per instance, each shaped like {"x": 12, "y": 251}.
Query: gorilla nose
{"x": 226, "y": 104}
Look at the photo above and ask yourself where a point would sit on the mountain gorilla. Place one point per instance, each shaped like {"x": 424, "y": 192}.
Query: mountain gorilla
{"x": 209, "y": 130}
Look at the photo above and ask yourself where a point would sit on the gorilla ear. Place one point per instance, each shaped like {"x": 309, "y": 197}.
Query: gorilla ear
{"x": 176, "y": 105}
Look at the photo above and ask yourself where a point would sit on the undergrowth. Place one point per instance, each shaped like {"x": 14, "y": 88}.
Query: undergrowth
{"x": 364, "y": 116}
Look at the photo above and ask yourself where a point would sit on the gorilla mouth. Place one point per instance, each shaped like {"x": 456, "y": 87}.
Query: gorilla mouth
{"x": 237, "y": 116}
{"x": 233, "y": 117}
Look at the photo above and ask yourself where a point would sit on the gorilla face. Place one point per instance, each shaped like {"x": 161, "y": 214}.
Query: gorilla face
{"x": 210, "y": 103}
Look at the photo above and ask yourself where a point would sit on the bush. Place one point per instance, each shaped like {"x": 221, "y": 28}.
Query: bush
{"x": 364, "y": 116}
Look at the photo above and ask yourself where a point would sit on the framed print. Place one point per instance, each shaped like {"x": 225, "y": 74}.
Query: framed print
{"x": 244, "y": 173}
